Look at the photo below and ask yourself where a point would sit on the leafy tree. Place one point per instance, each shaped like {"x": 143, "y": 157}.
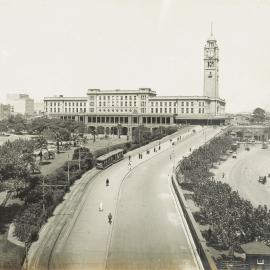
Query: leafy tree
{"x": 258, "y": 115}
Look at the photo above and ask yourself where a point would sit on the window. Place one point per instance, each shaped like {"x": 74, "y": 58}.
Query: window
{"x": 135, "y": 103}
{"x": 187, "y": 103}
{"x": 130, "y": 97}
{"x": 108, "y": 97}
{"x": 160, "y": 103}
{"x": 91, "y": 109}
{"x": 104, "y": 97}
{"x": 199, "y": 103}
{"x": 156, "y": 110}
{"x": 191, "y": 110}
{"x": 100, "y": 103}
{"x": 260, "y": 261}
{"x": 187, "y": 110}
{"x": 84, "y": 109}
{"x": 165, "y": 110}
{"x": 121, "y": 104}
{"x": 202, "y": 110}
{"x": 80, "y": 104}
{"x": 182, "y": 103}
{"x": 125, "y": 103}
{"x": 104, "y": 103}
{"x": 160, "y": 110}
{"x": 174, "y": 110}
{"x": 170, "y": 110}
{"x": 130, "y": 103}
{"x": 191, "y": 103}
{"x": 182, "y": 110}
{"x": 165, "y": 103}
{"x": 65, "y": 104}
{"x": 92, "y": 103}
{"x": 152, "y": 110}
{"x": 125, "y": 97}
{"x": 76, "y": 103}
{"x": 170, "y": 104}
{"x": 152, "y": 104}
{"x": 199, "y": 110}
{"x": 65, "y": 109}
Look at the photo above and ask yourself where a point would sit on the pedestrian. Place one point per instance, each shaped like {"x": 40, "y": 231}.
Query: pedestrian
{"x": 100, "y": 207}
{"x": 110, "y": 218}
{"x": 159, "y": 148}
{"x": 190, "y": 149}
{"x": 129, "y": 157}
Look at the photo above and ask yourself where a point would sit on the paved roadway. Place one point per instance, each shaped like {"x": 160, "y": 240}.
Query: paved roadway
{"x": 243, "y": 173}
{"x": 147, "y": 230}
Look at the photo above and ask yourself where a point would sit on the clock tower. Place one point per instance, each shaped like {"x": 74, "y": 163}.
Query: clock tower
{"x": 211, "y": 59}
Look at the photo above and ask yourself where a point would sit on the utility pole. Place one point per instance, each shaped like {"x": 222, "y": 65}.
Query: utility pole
{"x": 43, "y": 196}
{"x": 68, "y": 173}
{"x": 80, "y": 158}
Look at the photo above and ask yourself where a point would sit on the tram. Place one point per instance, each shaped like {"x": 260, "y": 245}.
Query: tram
{"x": 107, "y": 160}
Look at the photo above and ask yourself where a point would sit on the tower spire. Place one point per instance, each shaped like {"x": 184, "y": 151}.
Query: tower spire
{"x": 211, "y": 28}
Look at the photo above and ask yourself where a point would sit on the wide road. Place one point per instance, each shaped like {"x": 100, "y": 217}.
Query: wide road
{"x": 147, "y": 230}
{"x": 242, "y": 174}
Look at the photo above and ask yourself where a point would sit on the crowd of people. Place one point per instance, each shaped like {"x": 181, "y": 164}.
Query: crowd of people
{"x": 232, "y": 220}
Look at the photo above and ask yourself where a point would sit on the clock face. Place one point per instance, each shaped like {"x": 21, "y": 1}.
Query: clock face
{"x": 210, "y": 53}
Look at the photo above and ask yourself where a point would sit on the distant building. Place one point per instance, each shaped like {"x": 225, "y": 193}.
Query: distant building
{"x": 5, "y": 111}
{"x": 257, "y": 255}
{"x": 21, "y": 103}
{"x": 39, "y": 108}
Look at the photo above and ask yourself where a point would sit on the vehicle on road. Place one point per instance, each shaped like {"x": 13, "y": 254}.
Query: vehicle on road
{"x": 107, "y": 160}
{"x": 234, "y": 155}
{"x": 262, "y": 179}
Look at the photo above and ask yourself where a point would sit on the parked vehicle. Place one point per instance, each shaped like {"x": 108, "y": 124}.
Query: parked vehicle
{"x": 107, "y": 160}
{"x": 262, "y": 179}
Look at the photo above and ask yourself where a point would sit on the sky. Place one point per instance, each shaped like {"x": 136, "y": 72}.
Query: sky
{"x": 52, "y": 47}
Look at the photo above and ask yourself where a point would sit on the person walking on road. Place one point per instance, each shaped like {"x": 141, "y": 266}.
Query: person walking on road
{"x": 110, "y": 218}
{"x": 100, "y": 207}
{"x": 107, "y": 182}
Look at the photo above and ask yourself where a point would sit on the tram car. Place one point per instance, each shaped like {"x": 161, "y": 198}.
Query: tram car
{"x": 108, "y": 159}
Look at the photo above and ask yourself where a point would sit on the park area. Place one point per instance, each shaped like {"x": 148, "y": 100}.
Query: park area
{"x": 11, "y": 255}
{"x": 225, "y": 213}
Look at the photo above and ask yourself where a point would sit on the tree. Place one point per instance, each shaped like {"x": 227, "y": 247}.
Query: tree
{"x": 258, "y": 115}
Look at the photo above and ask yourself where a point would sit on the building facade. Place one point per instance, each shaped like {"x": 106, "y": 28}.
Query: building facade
{"x": 131, "y": 108}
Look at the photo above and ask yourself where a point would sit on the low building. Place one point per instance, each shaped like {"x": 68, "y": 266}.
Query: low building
{"x": 257, "y": 255}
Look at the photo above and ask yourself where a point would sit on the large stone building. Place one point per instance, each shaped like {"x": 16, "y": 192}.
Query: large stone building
{"x": 131, "y": 108}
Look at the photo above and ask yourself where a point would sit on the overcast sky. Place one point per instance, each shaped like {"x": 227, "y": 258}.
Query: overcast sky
{"x": 64, "y": 47}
